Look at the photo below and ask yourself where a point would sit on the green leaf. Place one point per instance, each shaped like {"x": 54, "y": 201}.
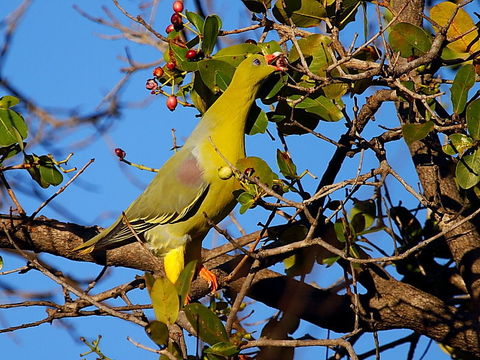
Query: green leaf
{"x": 193, "y": 43}
{"x": 1, "y": 263}
{"x": 13, "y": 128}
{"x": 303, "y": 13}
{"x": 34, "y": 171}
{"x": 257, "y": 6}
{"x": 321, "y": 106}
{"x": 468, "y": 170}
{"x": 449, "y": 54}
{"x": 149, "y": 281}
{"x": 410, "y": 228}
{"x": 473, "y": 119}
{"x": 329, "y": 261}
{"x": 212, "y": 26}
{"x": 208, "y": 326}
{"x": 235, "y": 54}
{"x": 8, "y": 101}
{"x": 315, "y": 49}
{"x": 212, "y": 71}
{"x": 362, "y": 215}
{"x": 335, "y": 91}
{"x": 165, "y": 301}
{"x": 354, "y": 251}
{"x": 196, "y": 20}
{"x": 246, "y": 201}
{"x": 346, "y": 14}
{"x": 9, "y": 151}
{"x": 315, "y": 45}
{"x": 358, "y": 223}
{"x": 222, "y": 80}
{"x": 180, "y": 58}
{"x": 275, "y": 117}
{"x": 50, "y": 174}
{"x": 43, "y": 170}
{"x": 286, "y": 127}
{"x": 269, "y": 47}
{"x": 271, "y": 87}
{"x": 202, "y": 96}
{"x": 286, "y": 165}
{"x": 260, "y": 168}
{"x": 448, "y": 149}
{"x": 463, "y": 82}
{"x": 158, "y": 332}
{"x": 340, "y": 230}
{"x": 301, "y": 263}
{"x": 409, "y": 40}
{"x": 257, "y": 121}
{"x": 213, "y": 357}
{"x": 223, "y": 349}
{"x": 185, "y": 280}
{"x": 415, "y": 132}
{"x": 459, "y": 144}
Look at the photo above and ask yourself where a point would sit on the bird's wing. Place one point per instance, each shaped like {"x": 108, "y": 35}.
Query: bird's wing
{"x": 177, "y": 190}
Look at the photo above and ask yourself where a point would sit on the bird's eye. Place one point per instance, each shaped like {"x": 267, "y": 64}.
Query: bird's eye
{"x": 256, "y": 62}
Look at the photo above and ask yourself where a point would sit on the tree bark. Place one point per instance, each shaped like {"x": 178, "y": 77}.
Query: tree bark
{"x": 436, "y": 174}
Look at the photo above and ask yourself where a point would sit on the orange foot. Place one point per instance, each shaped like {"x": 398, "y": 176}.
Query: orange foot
{"x": 209, "y": 277}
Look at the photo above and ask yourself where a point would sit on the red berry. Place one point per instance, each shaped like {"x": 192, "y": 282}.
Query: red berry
{"x": 169, "y": 28}
{"x": 171, "y": 66}
{"x": 249, "y": 171}
{"x": 158, "y": 72}
{"x": 172, "y": 102}
{"x": 151, "y": 84}
{"x": 178, "y": 6}
{"x": 120, "y": 153}
{"x": 176, "y": 20}
{"x": 191, "y": 54}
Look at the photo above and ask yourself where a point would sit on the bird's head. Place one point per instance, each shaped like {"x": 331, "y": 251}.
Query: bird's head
{"x": 258, "y": 67}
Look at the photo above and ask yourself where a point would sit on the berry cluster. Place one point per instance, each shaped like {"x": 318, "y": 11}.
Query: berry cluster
{"x": 163, "y": 75}
{"x": 176, "y": 19}
{"x": 153, "y": 86}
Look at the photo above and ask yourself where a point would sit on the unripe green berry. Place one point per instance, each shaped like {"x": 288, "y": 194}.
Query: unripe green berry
{"x": 225, "y": 172}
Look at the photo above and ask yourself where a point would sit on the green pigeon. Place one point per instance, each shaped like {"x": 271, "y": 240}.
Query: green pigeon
{"x": 172, "y": 214}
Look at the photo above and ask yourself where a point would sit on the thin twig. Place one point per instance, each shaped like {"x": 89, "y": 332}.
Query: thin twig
{"x": 70, "y": 288}
{"x": 62, "y": 189}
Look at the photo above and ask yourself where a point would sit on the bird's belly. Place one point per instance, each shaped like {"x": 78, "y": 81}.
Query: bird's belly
{"x": 163, "y": 238}
{"x": 218, "y": 203}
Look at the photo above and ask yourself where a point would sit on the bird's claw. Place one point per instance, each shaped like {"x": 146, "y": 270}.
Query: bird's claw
{"x": 210, "y": 277}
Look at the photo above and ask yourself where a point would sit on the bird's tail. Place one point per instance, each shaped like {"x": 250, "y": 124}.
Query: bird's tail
{"x": 102, "y": 240}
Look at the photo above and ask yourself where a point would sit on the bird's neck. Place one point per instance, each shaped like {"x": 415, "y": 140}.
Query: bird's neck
{"x": 224, "y": 123}
{"x": 235, "y": 104}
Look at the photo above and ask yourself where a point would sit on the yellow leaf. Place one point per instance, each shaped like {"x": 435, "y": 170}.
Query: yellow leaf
{"x": 165, "y": 301}
{"x": 461, "y": 24}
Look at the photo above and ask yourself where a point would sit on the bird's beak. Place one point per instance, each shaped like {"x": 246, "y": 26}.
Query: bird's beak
{"x": 277, "y": 60}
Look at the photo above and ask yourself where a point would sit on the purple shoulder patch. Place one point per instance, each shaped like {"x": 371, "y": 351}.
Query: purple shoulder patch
{"x": 189, "y": 173}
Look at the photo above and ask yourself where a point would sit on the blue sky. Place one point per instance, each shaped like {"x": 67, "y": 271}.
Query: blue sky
{"x": 59, "y": 59}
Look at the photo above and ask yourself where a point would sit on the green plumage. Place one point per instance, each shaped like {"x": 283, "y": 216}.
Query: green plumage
{"x": 170, "y": 212}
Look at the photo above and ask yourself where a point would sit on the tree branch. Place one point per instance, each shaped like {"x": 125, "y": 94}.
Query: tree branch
{"x": 394, "y": 305}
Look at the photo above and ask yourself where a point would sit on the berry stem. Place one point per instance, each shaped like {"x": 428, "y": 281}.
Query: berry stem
{"x": 190, "y": 28}
{"x": 141, "y": 167}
